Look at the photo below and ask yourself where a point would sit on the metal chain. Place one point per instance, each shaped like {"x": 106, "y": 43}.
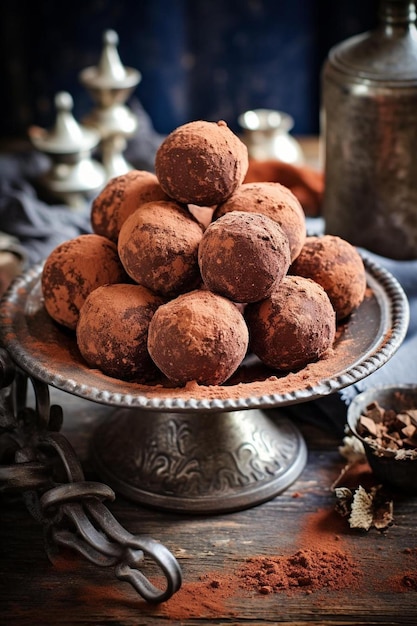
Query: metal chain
{"x": 38, "y": 461}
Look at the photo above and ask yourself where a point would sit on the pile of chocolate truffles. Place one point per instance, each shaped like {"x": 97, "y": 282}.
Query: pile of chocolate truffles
{"x": 190, "y": 268}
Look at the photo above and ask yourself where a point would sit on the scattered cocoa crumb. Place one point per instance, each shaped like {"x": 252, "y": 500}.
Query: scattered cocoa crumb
{"x": 403, "y": 582}
{"x": 406, "y": 580}
{"x": 410, "y": 581}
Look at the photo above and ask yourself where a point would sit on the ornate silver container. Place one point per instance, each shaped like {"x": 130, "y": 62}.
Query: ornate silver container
{"x": 110, "y": 84}
{"x": 266, "y": 133}
{"x": 369, "y": 133}
{"x": 73, "y": 175}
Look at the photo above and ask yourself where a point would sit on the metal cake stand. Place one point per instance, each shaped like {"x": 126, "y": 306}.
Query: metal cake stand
{"x": 191, "y": 449}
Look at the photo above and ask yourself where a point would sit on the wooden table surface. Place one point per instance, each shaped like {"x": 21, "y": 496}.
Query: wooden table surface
{"x": 379, "y": 585}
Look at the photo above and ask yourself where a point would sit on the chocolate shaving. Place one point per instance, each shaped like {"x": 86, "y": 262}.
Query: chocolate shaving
{"x": 370, "y": 425}
{"x": 387, "y": 429}
{"x": 365, "y": 509}
{"x": 361, "y": 512}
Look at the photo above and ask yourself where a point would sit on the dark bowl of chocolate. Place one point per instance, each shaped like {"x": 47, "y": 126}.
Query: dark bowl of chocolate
{"x": 384, "y": 418}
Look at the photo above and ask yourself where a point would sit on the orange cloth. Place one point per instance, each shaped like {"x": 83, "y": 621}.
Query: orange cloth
{"x": 306, "y": 183}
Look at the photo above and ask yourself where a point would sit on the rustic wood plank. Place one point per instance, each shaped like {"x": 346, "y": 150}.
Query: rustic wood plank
{"x": 212, "y": 550}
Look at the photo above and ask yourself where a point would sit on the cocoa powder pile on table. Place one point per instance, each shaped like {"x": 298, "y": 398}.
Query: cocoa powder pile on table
{"x": 308, "y": 569}
{"x": 326, "y": 566}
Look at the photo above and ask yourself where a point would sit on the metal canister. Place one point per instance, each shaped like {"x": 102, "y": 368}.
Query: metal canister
{"x": 369, "y": 135}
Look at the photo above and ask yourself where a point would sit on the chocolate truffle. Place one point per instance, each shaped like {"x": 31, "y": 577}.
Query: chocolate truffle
{"x": 294, "y": 326}
{"x": 74, "y": 269}
{"x": 198, "y": 336}
{"x": 337, "y": 266}
{"x": 112, "y": 331}
{"x": 276, "y": 202}
{"x": 158, "y": 247}
{"x": 243, "y": 256}
{"x": 120, "y": 197}
{"x": 201, "y": 163}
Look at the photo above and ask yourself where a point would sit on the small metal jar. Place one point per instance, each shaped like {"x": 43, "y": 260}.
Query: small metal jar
{"x": 369, "y": 135}
{"x": 266, "y": 133}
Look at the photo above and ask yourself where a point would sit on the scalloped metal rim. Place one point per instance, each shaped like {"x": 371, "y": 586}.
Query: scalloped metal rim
{"x": 399, "y": 326}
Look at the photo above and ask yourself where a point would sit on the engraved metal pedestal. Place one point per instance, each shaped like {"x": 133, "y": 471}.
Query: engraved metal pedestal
{"x": 202, "y": 449}
{"x": 199, "y": 462}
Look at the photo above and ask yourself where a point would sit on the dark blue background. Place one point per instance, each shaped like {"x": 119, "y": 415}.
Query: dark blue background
{"x": 207, "y": 59}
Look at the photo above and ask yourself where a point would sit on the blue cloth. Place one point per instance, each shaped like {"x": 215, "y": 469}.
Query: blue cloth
{"x": 38, "y": 226}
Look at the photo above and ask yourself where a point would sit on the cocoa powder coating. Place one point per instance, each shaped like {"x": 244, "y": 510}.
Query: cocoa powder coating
{"x": 276, "y": 202}
{"x": 243, "y": 256}
{"x": 201, "y": 163}
{"x": 74, "y": 269}
{"x": 294, "y": 326}
{"x": 337, "y": 266}
{"x": 112, "y": 330}
{"x": 120, "y": 197}
{"x": 158, "y": 247}
{"x": 199, "y": 336}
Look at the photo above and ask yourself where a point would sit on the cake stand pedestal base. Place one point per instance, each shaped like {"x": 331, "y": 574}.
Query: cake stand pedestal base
{"x": 199, "y": 462}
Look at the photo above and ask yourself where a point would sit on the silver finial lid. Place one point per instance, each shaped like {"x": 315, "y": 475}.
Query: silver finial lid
{"x": 67, "y": 136}
{"x": 110, "y": 73}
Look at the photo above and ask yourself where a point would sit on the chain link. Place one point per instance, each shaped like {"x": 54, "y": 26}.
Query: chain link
{"x": 38, "y": 461}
